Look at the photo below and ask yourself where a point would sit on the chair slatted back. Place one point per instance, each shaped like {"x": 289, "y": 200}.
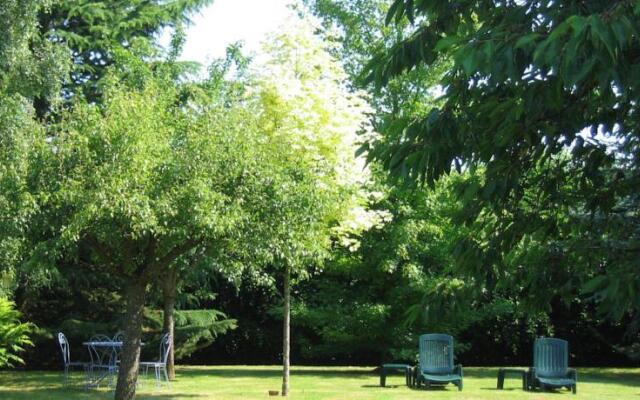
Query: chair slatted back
{"x": 551, "y": 357}
{"x": 436, "y": 353}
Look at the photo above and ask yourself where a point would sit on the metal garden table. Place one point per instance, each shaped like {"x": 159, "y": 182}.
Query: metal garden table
{"x": 104, "y": 361}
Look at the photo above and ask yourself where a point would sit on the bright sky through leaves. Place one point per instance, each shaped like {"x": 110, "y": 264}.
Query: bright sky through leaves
{"x": 229, "y": 21}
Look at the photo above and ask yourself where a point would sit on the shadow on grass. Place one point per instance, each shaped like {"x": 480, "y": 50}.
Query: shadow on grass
{"x": 381, "y": 387}
{"x": 619, "y": 377}
{"x": 262, "y": 373}
{"x": 72, "y": 394}
{"x": 49, "y": 385}
{"x": 585, "y": 375}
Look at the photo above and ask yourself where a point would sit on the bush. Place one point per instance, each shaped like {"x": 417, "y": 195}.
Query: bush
{"x": 13, "y": 334}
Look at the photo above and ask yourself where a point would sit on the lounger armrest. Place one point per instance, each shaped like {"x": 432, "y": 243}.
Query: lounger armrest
{"x": 458, "y": 370}
{"x": 572, "y": 374}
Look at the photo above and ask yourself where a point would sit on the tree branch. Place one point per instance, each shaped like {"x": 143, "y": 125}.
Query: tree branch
{"x": 176, "y": 252}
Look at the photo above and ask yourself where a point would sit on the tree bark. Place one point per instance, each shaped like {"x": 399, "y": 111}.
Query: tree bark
{"x": 129, "y": 359}
{"x": 169, "y": 293}
{"x": 286, "y": 332}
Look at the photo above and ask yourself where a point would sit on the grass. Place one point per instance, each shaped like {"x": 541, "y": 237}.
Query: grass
{"x": 315, "y": 383}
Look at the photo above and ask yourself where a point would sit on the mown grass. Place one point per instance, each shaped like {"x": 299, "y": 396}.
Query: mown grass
{"x": 315, "y": 383}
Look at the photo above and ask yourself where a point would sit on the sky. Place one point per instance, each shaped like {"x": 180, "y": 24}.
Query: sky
{"x": 227, "y": 21}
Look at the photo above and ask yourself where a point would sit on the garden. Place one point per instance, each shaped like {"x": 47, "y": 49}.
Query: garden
{"x": 387, "y": 199}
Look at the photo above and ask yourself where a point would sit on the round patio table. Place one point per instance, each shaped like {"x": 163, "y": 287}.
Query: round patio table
{"x": 104, "y": 361}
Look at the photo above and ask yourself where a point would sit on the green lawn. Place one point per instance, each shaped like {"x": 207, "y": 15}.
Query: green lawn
{"x": 350, "y": 383}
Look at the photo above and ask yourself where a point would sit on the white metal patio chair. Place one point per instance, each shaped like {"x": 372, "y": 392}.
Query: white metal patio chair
{"x": 66, "y": 358}
{"x": 160, "y": 366}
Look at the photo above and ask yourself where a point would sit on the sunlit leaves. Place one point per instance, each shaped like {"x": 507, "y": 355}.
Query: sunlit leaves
{"x": 13, "y": 334}
{"x": 311, "y": 120}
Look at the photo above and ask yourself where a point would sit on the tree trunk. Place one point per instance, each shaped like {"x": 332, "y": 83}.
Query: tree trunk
{"x": 169, "y": 292}
{"x": 130, "y": 357}
{"x": 286, "y": 332}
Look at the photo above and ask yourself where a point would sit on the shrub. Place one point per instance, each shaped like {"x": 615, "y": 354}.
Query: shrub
{"x": 14, "y": 335}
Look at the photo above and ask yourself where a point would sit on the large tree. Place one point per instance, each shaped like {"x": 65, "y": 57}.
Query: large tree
{"x": 539, "y": 93}
{"x": 133, "y": 184}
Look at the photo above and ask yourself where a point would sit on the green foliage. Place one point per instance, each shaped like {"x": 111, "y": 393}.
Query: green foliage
{"x": 194, "y": 329}
{"x": 95, "y": 29}
{"x": 14, "y": 335}
{"x": 373, "y": 301}
{"x": 77, "y": 330}
{"x": 310, "y": 122}
{"x": 343, "y": 328}
{"x": 30, "y": 68}
{"x": 140, "y": 179}
{"x": 357, "y": 31}
{"x": 539, "y": 95}
{"x": 30, "y": 65}
{"x": 17, "y": 206}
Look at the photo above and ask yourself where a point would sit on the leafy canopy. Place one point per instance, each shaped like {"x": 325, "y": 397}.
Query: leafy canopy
{"x": 310, "y": 120}
{"x": 537, "y": 90}
{"x": 527, "y": 78}
{"x": 144, "y": 177}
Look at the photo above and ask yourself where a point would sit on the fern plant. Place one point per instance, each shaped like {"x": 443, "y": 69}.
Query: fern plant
{"x": 14, "y": 335}
{"x": 195, "y": 329}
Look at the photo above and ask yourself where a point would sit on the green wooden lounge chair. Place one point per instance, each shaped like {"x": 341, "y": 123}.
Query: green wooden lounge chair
{"x": 436, "y": 362}
{"x": 551, "y": 365}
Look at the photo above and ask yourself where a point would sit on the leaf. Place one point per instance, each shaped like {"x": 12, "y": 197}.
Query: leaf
{"x": 600, "y": 31}
{"x": 469, "y": 63}
{"x": 577, "y": 24}
{"x": 409, "y": 11}
{"x": 582, "y": 73}
{"x": 621, "y": 33}
{"x": 595, "y": 284}
{"x": 526, "y": 40}
{"x": 362, "y": 149}
{"x": 446, "y": 43}
{"x": 392, "y": 11}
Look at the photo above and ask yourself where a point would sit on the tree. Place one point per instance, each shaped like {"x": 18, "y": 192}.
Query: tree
{"x": 535, "y": 90}
{"x": 219, "y": 90}
{"x": 95, "y": 29}
{"x": 311, "y": 120}
{"x": 357, "y": 32}
{"x": 29, "y": 67}
{"x": 133, "y": 184}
